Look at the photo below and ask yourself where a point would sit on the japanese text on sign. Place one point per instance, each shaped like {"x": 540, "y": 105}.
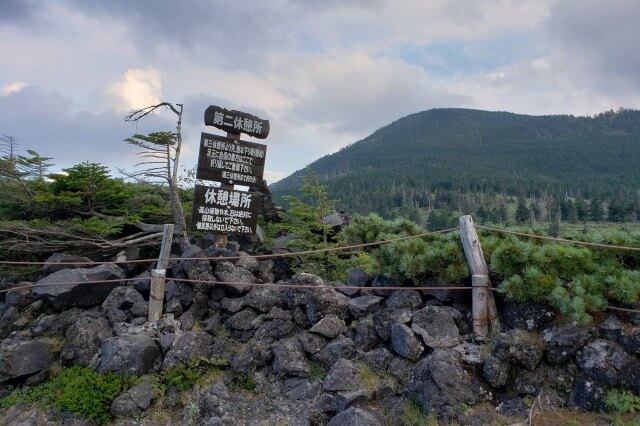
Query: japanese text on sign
{"x": 224, "y": 210}
{"x": 224, "y": 159}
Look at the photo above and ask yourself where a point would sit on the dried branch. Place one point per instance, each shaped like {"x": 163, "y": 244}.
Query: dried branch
{"x": 135, "y": 116}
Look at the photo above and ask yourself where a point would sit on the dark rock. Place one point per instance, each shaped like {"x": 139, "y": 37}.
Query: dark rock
{"x": 518, "y": 346}
{"x": 529, "y": 315}
{"x": 355, "y": 417}
{"x": 587, "y": 395}
{"x": 289, "y": 358}
{"x": 73, "y": 294}
{"x": 611, "y": 328}
{"x": 199, "y": 270}
{"x": 495, "y": 371}
{"x": 513, "y": 407}
{"x": 436, "y": 326}
{"x": 264, "y": 299}
{"x": 631, "y": 341}
{"x": 401, "y": 370}
{"x": 442, "y": 295}
{"x": 9, "y": 317}
{"x": 84, "y": 339}
{"x": 265, "y": 271}
{"x": 251, "y": 356}
{"x": 281, "y": 268}
{"x": 122, "y": 298}
{"x": 603, "y": 361}
{"x": 357, "y": 277}
{"x": 134, "y": 401}
{"x": 200, "y": 306}
{"x": 325, "y": 301}
{"x": 403, "y": 299}
{"x": 364, "y": 335}
{"x": 343, "y": 376}
{"x": 55, "y": 325}
{"x": 311, "y": 343}
{"x": 56, "y": 261}
{"x": 384, "y": 319}
{"x": 381, "y": 281}
{"x": 441, "y": 385}
{"x": 278, "y": 314}
{"x": 142, "y": 283}
{"x": 300, "y": 317}
{"x": 378, "y": 359}
{"x": 140, "y": 309}
{"x": 405, "y": 343}
{"x": 330, "y": 326}
{"x": 232, "y": 305}
{"x": 227, "y": 272}
{"x": 334, "y": 350}
{"x": 532, "y": 382}
{"x": 563, "y": 342}
{"x": 132, "y": 355}
{"x": 243, "y": 320}
{"x": 116, "y": 316}
{"x": 19, "y": 298}
{"x": 364, "y": 305}
{"x": 138, "y": 321}
{"x": 184, "y": 293}
{"x": 187, "y": 321}
{"x": 274, "y": 330}
{"x": 21, "y": 357}
{"x": 344, "y": 400}
{"x": 247, "y": 262}
{"x": 470, "y": 353}
{"x": 189, "y": 345}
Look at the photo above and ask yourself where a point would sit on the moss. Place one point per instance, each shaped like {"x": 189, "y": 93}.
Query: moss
{"x": 316, "y": 371}
{"x": 413, "y": 415}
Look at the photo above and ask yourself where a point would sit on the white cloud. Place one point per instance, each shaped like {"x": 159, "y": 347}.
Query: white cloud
{"x": 137, "y": 88}
{"x": 14, "y": 87}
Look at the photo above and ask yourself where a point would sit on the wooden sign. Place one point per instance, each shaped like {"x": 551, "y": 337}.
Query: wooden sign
{"x": 225, "y": 210}
{"x": 229, "y": 161}
{"x": 236, "y": 122}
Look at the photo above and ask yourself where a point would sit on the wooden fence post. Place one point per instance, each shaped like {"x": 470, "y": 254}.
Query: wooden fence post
{"x": 484, "y": 312}
{"x": 158, "y": 275}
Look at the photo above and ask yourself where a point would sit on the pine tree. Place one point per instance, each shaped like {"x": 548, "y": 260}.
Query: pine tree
{"x": 523, "y": 214}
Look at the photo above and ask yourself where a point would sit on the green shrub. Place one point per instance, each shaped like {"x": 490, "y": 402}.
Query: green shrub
{"x": 243, "y": 381}
{"x": 316, "y": 371}
{"x": 79, "y": 390}
{"x": 622, "y": 401}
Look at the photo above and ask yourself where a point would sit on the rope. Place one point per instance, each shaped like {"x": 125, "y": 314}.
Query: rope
{"x": 560, "y": 240}
{"x": 258, "y": 256}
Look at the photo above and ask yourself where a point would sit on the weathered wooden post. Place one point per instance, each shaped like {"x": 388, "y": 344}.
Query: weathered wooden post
{"x": 158, "y": 275}
{"x": 484, "y": 312}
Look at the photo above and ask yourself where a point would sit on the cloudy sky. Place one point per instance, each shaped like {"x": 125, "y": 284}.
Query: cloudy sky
{"x": 325, "y": 73}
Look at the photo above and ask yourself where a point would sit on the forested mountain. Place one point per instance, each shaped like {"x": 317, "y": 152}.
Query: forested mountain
{"x": 472, "y": 161}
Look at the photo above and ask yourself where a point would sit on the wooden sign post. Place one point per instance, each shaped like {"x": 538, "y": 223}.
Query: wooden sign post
{"x": 229, "y": 161}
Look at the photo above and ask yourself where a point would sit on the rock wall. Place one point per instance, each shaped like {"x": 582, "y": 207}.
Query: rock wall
{"x": 317, "y": 355}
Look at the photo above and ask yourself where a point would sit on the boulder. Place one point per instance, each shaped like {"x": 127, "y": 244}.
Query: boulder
{"x": 381, "y": 281}
{"x": 339, "y": 348}
{"x": 251, "y": 356}
{"x": 344, "y": 400}
{"x": 357, "y": 277}
{"x": 355, "y": 416}
{"x": 330, "y": 326}
{"x": 604, "y": 362}
{"x": 59, "y": 261}
{"x": 134, "y": 401}
{"x": 405, "y": 343}
{"x": 518, "y": 346}
{"x": 311, "y": 343}
{"x": 495, "y": 371}
{"x": 343, "y": 376}
{"x": 55, "y": 325}
{"x": 21, "y": 357}
{"x": 364, "y": 335}
{"x": 189, "y": 345}
{"x": 325, "y": 301}
{"x": 384, "y": 319}
{"x": 227, "y": 272}
{"x": 364, "y": 305}
{"x": 564, "y": 341}
{"x": 442, "y": 386}
{"x": 289, "y": 359}
{"x": 84, "y": 339}
{"x": 199, "y": 270}
{"x": 274, "y": 330}
{"x": 72, "y": 292}
{"x": 531, "y": 316}
{"x": 587, "y": 395}
{"x": 243, "y": 320}
{"x": 378, "y": 359}
{"x": 264, "y": 299}
{"x": 122, "y": 298}
{"x": 132, "y": 355}
{"x": 436, "y": 326}
{"x": 400, "y": 299}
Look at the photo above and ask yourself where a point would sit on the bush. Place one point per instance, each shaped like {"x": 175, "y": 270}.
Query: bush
{"x": 622, "y": 401}
{"x": 79, "y": 390}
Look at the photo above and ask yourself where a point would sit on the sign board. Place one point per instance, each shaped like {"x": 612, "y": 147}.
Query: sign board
{"x": 232, "y": 121}
{"x": 230, "y": 161}
{"x": 224, "y": 210}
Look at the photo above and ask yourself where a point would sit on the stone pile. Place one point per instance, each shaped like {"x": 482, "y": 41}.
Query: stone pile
{"x": 318, "y": 355}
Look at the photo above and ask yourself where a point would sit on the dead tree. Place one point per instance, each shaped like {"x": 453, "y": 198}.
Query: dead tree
{"x": 161, "y": 152}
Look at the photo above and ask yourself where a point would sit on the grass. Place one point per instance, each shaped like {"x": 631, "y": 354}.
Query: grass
{"x": 243, "y": 381}
{"x": 372, "y": 380}
{"x": 622, "y": 401}
{"x": 413, "y": 415}
{"x": 316, "y": 372}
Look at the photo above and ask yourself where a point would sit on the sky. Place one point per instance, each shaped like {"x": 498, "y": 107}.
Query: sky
{"x": 324, "y": 73}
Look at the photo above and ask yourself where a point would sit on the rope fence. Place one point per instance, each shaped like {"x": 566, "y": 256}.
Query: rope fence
{"x": 257, "y": 256}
